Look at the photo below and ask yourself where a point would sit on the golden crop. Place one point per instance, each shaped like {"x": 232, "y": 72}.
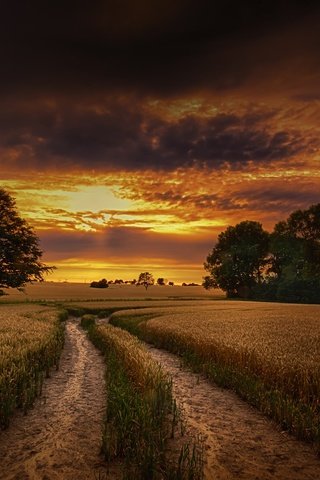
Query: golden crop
{"x": 31, "y": 338}
{"x": 143, "y": 372}
{"x": 269, "y": 353}
{"x": 141, "y": 413}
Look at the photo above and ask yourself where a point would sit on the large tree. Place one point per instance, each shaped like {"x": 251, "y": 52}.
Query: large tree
{"x": 237, "y": 261}
{"x": 19, "y": 248}
{"x": 295, "y": 245}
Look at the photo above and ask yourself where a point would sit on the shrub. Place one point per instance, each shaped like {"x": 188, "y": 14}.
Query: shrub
{"x": 100, "y": 284}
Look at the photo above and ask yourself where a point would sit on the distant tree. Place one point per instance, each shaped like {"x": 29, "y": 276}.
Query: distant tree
{"x": 100, "y": 284}
{"x": 161, "y": 281}
{"x": 238, "y": 259}
{"x": 19, "y": 248}
{"x": 171, "y": 284}
{"x": 146, "y": 279}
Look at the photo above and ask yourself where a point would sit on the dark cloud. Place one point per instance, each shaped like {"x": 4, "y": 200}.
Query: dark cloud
{"x": 281, "y": 199}
{"x": 120, "y": 134}
{"x": 124, "y": 242}
{"x": 158, "y": 47}
{"x": 265, "y": 196}
{"x": 307, "y": 97}
{"x": 62, "y": 63}
{"x": 228, "y": 139}
{"x": 62, "y": 245}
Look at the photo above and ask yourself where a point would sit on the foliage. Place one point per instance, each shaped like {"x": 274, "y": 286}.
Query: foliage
{"x": 238, "y": 258}
{"x": 19, "y": 248}
{"x": 208, "y": 282}
{"x": 100, "y": 284}
{"x": 296, "y": 245}
{"x": 299, "y": 290}
{"x": 161, "y": 281}
{"x": 146, "y": 279}
{"x": 295, "y": 257}
{"x": 283, "y": 266}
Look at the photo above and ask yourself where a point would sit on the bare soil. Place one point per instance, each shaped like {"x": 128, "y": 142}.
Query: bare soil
{"x": 240, "y": 443}
{"x": 60, "y": 437}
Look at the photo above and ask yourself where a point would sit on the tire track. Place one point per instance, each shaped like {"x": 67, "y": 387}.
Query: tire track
{"x": 240, "y": 443}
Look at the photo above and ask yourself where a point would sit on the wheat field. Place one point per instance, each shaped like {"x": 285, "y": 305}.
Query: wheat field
{"x": 53, "y": 291}
{"x": 142, "y": 418}
{"x": 268, "y": 353}
{"x": 31, "y": 339}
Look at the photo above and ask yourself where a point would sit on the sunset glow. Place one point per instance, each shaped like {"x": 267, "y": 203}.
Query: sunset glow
{"x": 129, "y": 154}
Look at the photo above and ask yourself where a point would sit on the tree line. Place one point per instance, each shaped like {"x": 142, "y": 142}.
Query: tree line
{"x": 284, "y": 265}
{"x": 145, "y": 278}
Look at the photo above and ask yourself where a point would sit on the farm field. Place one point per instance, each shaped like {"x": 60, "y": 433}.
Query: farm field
{"x": 31, "y": 339}
{"x": 82, "y": 291}
{"x": 266, "y": 352}
{"x": 60, "y": 437}
{"x": 143, "y": 423}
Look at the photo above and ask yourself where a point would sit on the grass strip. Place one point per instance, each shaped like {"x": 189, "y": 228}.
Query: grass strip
{"x": 142, "y": 417}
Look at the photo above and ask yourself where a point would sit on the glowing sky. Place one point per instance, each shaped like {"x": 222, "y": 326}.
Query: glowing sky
{"x": 131, "y": 135}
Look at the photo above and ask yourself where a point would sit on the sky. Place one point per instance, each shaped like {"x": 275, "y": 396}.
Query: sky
{"x": 133, "y": 133}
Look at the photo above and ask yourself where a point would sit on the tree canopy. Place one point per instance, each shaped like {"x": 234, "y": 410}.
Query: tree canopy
{"x": 146, "y": 279}
{"x": 296, "y": 244}
{"x": 237, "y": 259}
{"x": 19, "y": 248}
{"x": 284, "y": 265}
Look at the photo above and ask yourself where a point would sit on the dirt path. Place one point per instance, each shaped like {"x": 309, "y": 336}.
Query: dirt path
{"x": 240, "y": 442}
{"x": 60, "y": 437}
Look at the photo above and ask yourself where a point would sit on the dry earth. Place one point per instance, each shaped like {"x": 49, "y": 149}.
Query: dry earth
{"x": 240, "y": 443}
{"x": 60, "y": 437}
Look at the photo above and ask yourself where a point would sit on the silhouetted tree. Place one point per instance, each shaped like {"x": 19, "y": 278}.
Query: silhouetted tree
{"x": 19, "y": 248}
{"x": 161, "y": 281}
{"x": 146, "y": 279}
{"x": 237, "y": 261}
{"x": 295, "y": 245}
{"x": 294, "y": 271}
{"x": 100, "y": 284}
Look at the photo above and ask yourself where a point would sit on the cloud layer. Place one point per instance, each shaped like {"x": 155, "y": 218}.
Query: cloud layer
{"x": 116, "y": 135}
{"x": 158, "y": 48}
{"x": 136, "y": 131}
